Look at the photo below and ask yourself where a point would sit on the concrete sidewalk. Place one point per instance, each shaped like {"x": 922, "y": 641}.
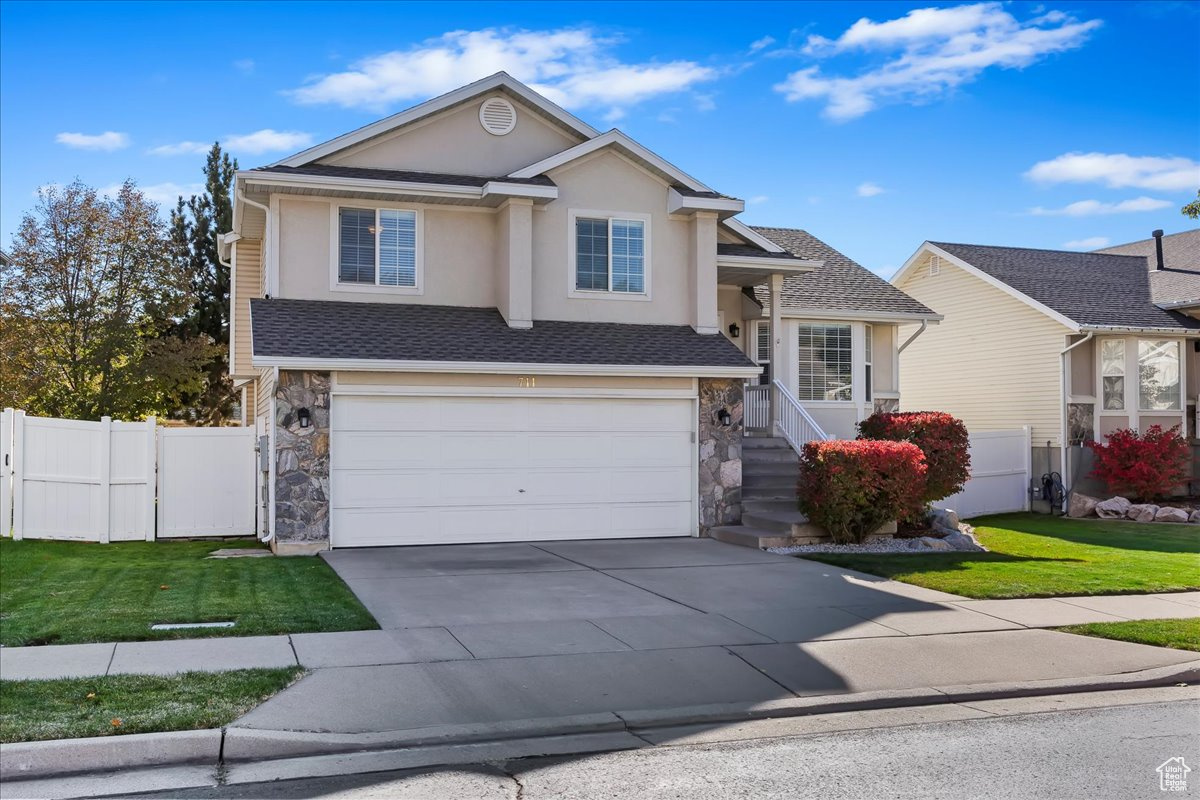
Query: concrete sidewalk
{"x": 736, "y": 627}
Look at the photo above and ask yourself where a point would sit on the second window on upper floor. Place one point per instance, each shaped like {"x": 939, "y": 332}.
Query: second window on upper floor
{"x": 377, "y": 247}
{"x": 610, "y": 254}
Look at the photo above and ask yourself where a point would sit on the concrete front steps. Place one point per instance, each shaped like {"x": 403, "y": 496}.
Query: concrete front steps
{"x": 769, "y": 514}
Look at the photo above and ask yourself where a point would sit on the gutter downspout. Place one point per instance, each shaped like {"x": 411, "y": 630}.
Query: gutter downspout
{"x": 241, "y": 196}
{"x": 913, "y": 338}
{"x": 1062, "y": 439}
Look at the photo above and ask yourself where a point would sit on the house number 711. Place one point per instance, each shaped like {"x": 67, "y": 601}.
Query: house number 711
{"x": 526, "y": 382}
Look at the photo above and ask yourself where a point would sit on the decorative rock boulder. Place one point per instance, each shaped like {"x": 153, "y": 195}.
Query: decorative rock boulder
{"x": 1113, "y": 508}
{"x": 930, "y": 543}
{"x": 1142, "y": 512}
{"x": 1081, "y": 505}
{"x": 1195, "y": 517}
{"x": 964, "y": 542}
{"x": 943, "y": 521}
{"x": 1169, "y": 514}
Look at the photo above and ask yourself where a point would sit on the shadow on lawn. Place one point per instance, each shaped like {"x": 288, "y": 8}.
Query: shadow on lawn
{"x": 888, "y": 565}
{"x": 1159, "y": 537}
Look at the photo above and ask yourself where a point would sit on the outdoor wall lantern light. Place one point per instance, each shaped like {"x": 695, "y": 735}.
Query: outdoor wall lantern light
{"x": 724, "y": 417}
{"x": 304, "y": 417}
{"x": 734, "y": 330}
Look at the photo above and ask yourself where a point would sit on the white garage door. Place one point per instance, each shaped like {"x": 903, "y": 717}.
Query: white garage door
{"x": 445, "y": 470}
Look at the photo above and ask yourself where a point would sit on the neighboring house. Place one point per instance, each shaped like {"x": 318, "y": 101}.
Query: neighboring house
{"x": 1074, "y": 345}
{"x": 5, "y": 259}
{"x": 483, "y": 320}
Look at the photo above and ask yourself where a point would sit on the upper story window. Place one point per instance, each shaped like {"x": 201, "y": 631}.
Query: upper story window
{"x": 825, "y": 355}
{"x": 377, "y": 247}
{"x": 1158, "y": 375}
{"x": 609, "y": 253}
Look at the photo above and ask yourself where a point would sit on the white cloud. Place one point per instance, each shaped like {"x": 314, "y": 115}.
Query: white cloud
{"x": 933, "y": 50}
{"x": 759, "y": 44}
{"x": 266, "y": 141}
{"x": 107, "y": 141}
{"x": 165, "y": 194}
{"x": 869, "y": 189}
{"x": 1119, "y": 170}
{"x": 758, "y": 200}
{"x": 180, "y": 149}
{"x": 1092, "y": 243}
{"x": 244, "y": 65}
{"x": 572, "y": 66}
{"x": 1093, "y": 208}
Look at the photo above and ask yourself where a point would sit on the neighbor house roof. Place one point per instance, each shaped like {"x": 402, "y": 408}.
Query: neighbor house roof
{"x": 322, "y": 330}
{"x": 839, "y": 285}
{"x": 1180, "y": 280}
{"x": 1095, "y": 290}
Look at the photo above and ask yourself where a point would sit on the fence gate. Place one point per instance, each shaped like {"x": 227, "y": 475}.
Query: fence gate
{"x": 1000, "y": 473}
{"x": 206, "y": 482}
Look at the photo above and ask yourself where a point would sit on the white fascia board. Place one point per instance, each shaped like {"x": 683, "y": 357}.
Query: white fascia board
{"x": 609, "y": 139}
{"x": 677, "y": 202}
{"x": 909, "y": 265}
{"x": 520, "y": 190}
{"x": 788, "y": 264}
{"x": 1177, "y": 304}
{"x": 861, "y": 316}
{"x": 751, "y": 235}
{"x": 498, "y": 368}
{"x": 430, "y": 107}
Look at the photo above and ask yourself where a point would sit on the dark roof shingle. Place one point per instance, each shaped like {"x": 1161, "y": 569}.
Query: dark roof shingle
{"x": 406, "y": 176}
{"x": 324, "y": 329}
{"x": 840, "y": 284}
{"x": 1180, "y": 280}
{"x": 1093, "y": 289}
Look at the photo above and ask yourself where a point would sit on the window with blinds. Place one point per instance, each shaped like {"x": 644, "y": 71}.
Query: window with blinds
{"x": 610, "y": 255}
{"x": 377, "y": 246}
{"x": 825, "y": 359}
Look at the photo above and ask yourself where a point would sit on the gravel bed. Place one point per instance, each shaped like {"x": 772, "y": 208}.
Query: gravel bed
{"x": 874, "y": 546}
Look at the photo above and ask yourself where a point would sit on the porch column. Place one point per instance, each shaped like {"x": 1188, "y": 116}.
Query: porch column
{"x": 776, "y": 288}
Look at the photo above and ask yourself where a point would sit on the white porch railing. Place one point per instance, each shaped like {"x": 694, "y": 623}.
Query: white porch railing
{"x": 793, "y": 422}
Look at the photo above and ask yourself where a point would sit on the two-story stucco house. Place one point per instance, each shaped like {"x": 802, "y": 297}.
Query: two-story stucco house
{"x": 1074, "y": 345}
{"x": 481, "y": 320}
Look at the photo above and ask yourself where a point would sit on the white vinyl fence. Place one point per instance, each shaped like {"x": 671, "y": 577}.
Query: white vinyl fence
{"x": 112, "y": 481}
{"x": 1000, "y": 475}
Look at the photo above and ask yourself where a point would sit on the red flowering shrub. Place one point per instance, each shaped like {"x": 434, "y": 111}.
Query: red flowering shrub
{"x": 941, "y": 437}
{"x": 851, "y": 488}
{"x": 1142, "y": 467}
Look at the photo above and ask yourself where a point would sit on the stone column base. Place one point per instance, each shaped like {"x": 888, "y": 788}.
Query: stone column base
{"x": 297, "y": 548}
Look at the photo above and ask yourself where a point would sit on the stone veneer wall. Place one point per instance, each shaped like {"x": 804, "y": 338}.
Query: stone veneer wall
{"x": 886, "y": 405}
{"x": 720, "y": 453}
{"x": 301, "y": 464}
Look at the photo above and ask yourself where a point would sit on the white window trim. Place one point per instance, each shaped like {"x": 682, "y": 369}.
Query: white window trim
{"x": 868, "y": 363}
{"x": 855, "y": 398}
{"x": 335, "y": 238}
{"x": 1179, "y": 354}
{"x": 597, "y": 294}
{"x": 1133, "y": 412}
{"x": 1125, "y": 410}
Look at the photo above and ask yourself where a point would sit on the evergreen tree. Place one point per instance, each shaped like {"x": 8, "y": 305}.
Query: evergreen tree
{"x": 195, "y": 225}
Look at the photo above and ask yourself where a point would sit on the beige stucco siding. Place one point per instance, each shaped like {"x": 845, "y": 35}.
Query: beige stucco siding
{"x": 457, "y": 259}
{"x": 993, "y": 361}
{"x": 247, "y": 284}
{"x": 455, "y": 142}
{"x": 607, "y": 182}
{"x": 1082, "y": 369}
{"x": 883, "y": 359}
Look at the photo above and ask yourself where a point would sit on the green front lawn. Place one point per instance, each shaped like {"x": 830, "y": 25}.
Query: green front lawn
{"x": 1035, "y": 555}
{"x": 71, "y": 592}
{"x": 68, "y": 708}
{"x": 1182, "y": 634}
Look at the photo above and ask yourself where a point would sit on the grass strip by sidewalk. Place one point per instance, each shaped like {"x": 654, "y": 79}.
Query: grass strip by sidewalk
{"x": 1035, "y": 555}
{"x": 1181, "y": 634}
{"x": 54, "y": 592}
{"x": 110, "y": 705}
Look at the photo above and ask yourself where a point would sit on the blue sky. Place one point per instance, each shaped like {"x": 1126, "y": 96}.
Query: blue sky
{"x": 874, "y": 126}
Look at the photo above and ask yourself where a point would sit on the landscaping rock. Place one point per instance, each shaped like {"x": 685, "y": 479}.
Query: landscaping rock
{"x": 1169, "y": 514}
{"x": 964, "y": 542}
{"x": 1081, "y": 505}
{"x": 1113, "y": 508}
{"x": 943, "y": 521}
{"x": 930, "y": 543}
{"x": 1195, "y": 517}
{"x": 1142, "y": 512}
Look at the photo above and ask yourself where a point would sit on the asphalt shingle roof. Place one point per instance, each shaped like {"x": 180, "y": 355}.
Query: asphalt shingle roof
{"x": 1099, "y": 289}
{"x": 405, "y": 332}
{"x": 840, "y": 284}
{"x": 408, "y": 176}
{"x": 1181, "y": 257}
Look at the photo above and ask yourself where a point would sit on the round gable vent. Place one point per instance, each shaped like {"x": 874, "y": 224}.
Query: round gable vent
{"x": 497, "y": 116}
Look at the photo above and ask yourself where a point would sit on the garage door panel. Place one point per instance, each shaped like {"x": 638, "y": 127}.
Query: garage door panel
{"x": 422, "y": 470}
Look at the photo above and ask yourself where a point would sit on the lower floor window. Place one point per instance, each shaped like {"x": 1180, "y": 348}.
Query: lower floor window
{"x": 1158, "y": 375}
{"x": 825, "y": 357}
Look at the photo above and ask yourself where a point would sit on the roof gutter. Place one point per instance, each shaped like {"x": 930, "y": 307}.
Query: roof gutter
{"x": 1103, "y": 329}
{"x": 1062, "y": 438}
{"x": 502, "y": 368}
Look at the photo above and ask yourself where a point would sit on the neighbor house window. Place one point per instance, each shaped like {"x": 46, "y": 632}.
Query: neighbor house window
{"x": 1158, "y": 375}
{"x": 825, "y": 362}
{"x": 610, "y": 255}
{"x": 1112, "y": 373}
{"x": 868, "y": 345}
{"x": 377, "y": 246}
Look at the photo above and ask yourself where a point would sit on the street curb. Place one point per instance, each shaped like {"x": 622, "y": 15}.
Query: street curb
{"x": 29, "y": 760}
